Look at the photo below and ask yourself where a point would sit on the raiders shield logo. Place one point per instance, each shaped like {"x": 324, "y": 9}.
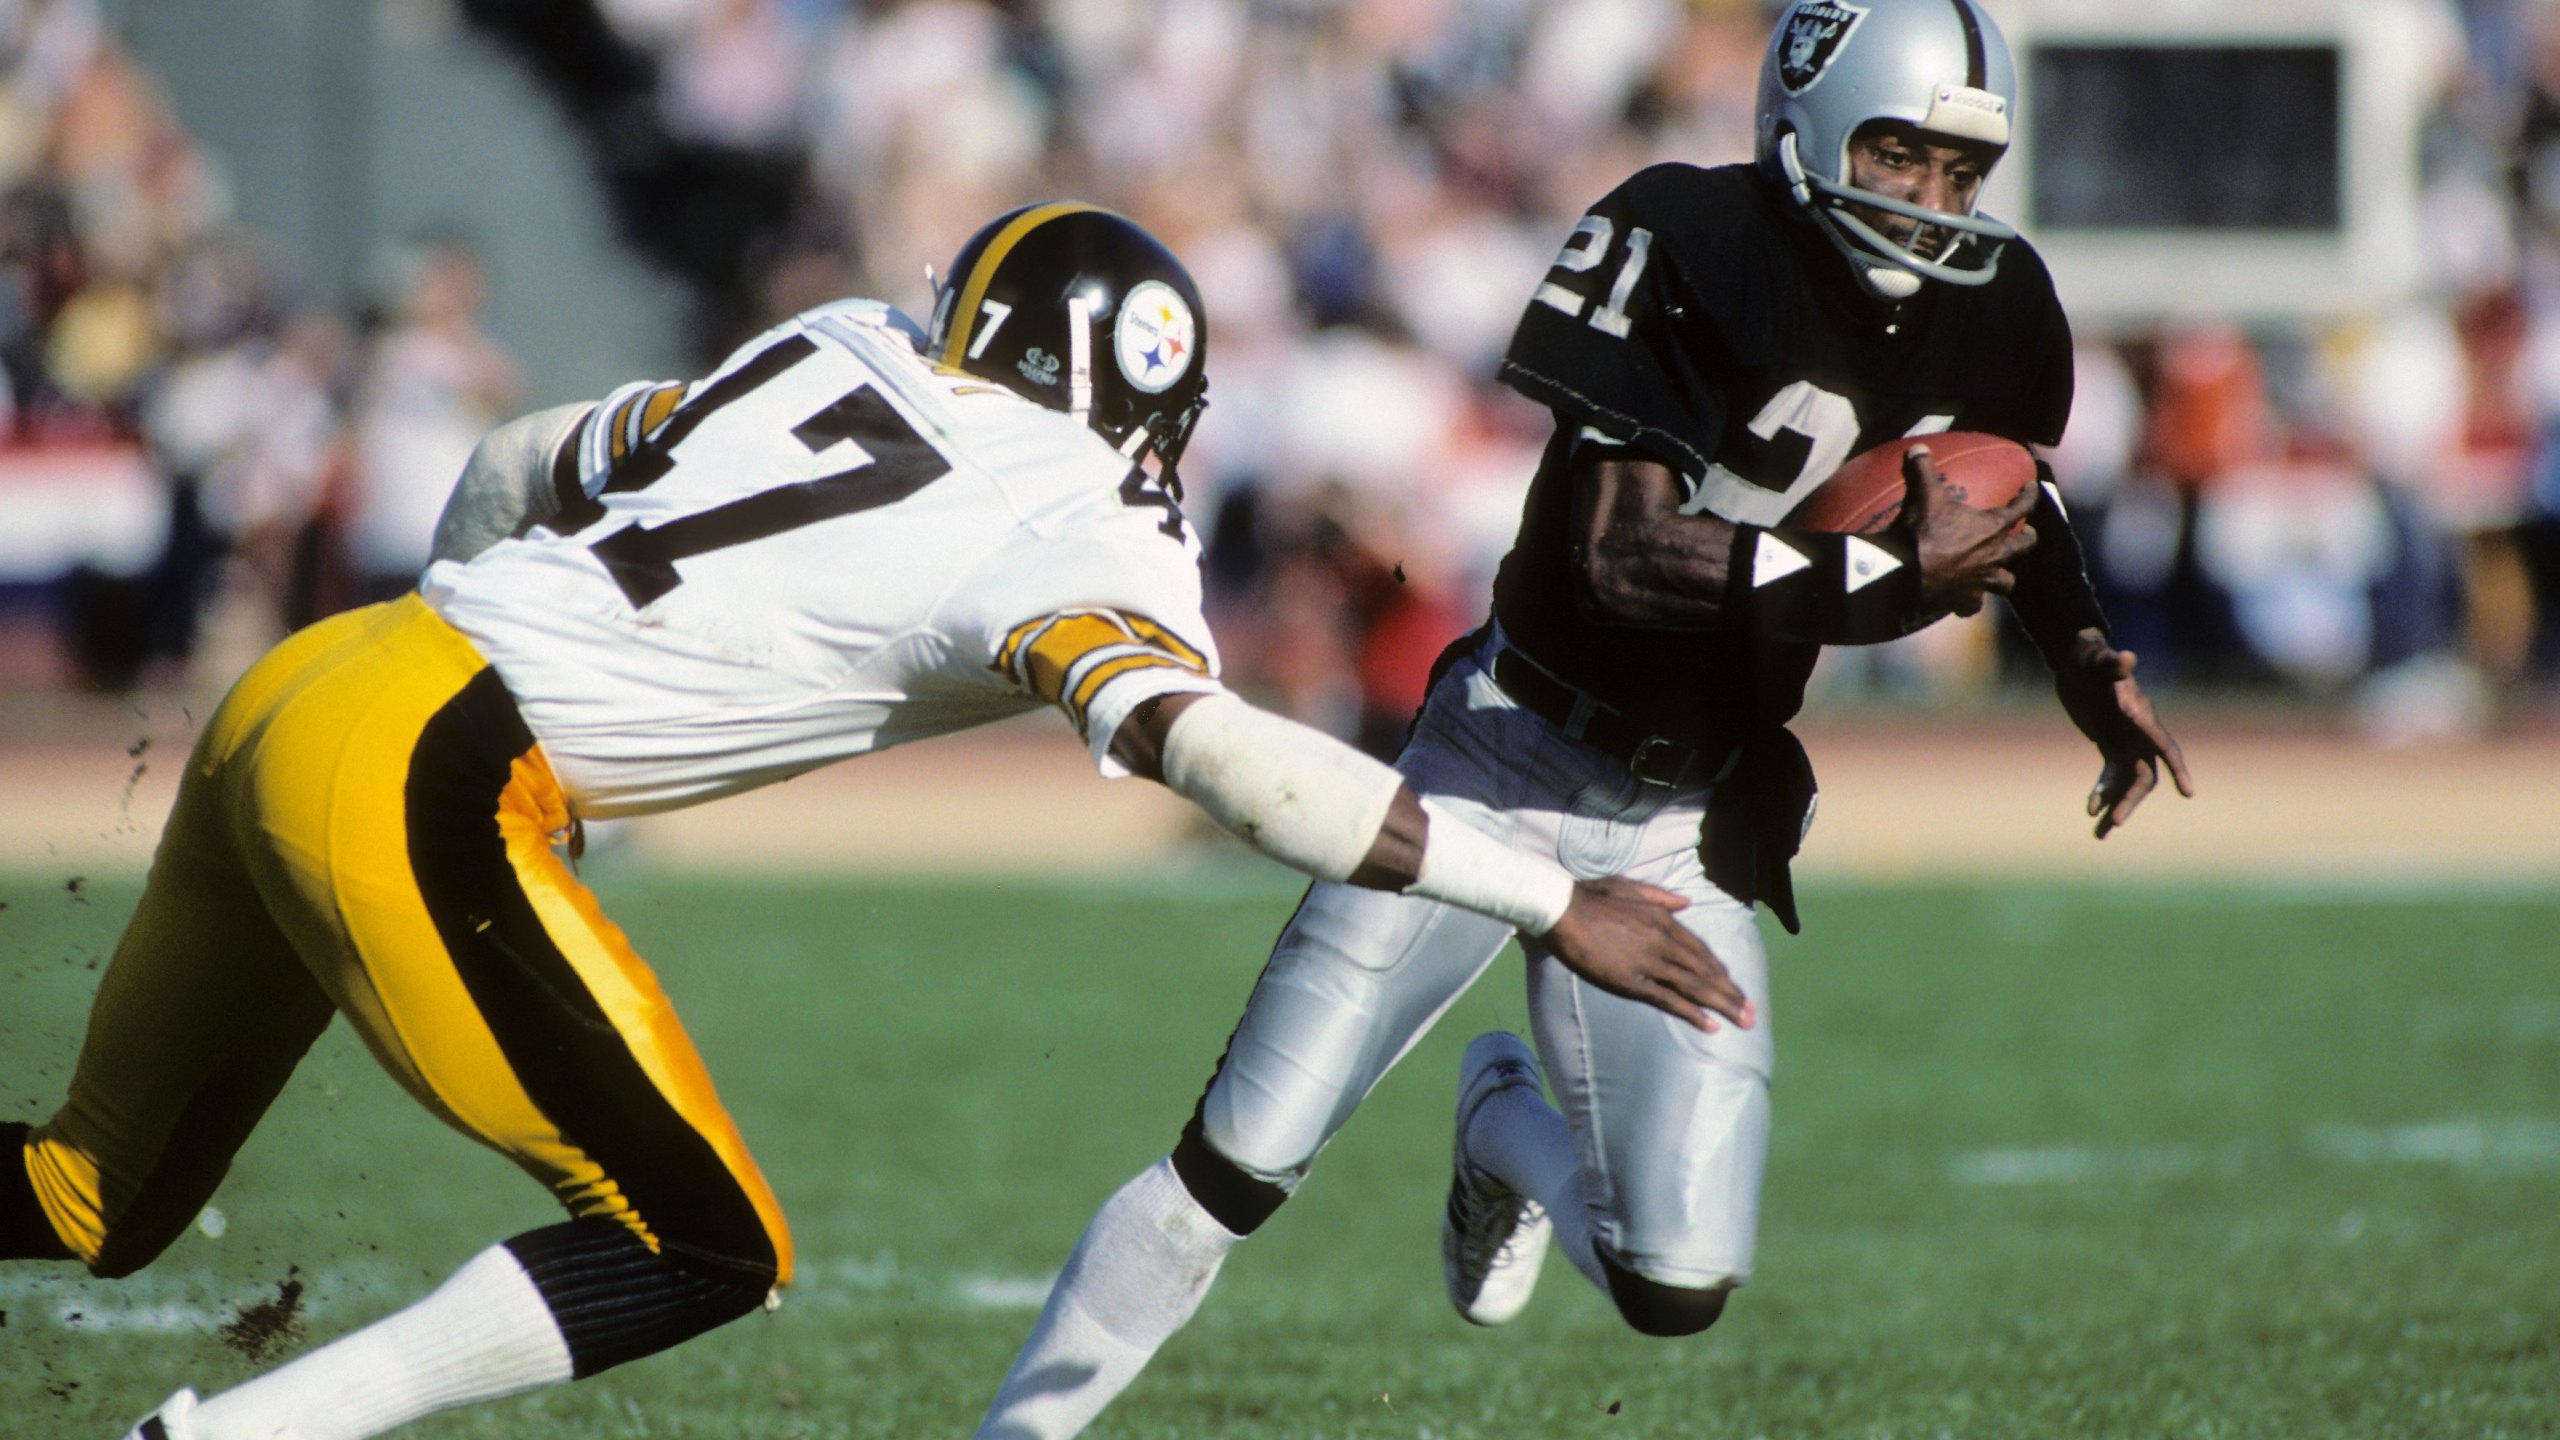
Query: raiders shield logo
{"x": 1815, "y": 32}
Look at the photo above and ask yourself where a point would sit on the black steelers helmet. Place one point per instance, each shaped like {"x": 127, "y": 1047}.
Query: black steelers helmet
{"x": 1081, "y": 310}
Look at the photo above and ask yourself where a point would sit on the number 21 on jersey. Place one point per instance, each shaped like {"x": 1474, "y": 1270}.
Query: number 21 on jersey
{"x": 1800, "y": 435}
{"x": 1584, "y": 250}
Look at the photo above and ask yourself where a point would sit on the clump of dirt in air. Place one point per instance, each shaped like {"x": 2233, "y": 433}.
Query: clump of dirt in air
{"x": 261, "y": 1331}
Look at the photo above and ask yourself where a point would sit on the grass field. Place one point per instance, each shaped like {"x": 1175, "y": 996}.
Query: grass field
{"x": 2051, "y": 1161}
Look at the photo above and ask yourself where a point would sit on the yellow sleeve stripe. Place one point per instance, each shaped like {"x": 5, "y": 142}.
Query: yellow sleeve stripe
{"x": 640, "y": 417}
{"x": 1067, "y": 658}
{"x": 1015, "y": 639}
{"x": 617, "y": 430}
{"x": 1054, "y": 644}
{"x": 1044, "y": 663}
{"x": 1167, "y": 641}
{"x": 1098, "y": 675}
{"x": 660, "y": 405}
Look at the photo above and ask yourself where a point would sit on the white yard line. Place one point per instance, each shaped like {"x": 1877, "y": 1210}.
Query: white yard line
{"x": 2473, "y": 1144}
{"x": 195, "y": 1302}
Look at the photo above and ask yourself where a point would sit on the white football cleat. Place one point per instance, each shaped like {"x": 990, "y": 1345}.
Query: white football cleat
{"x": 174, "y": 1420}
{"x": 1492, "y": 1237}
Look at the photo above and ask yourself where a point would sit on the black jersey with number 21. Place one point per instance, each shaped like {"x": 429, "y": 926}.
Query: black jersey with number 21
{"x": 1697, "y": 319}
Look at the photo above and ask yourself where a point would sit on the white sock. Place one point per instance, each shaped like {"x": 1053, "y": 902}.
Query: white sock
{"x": 1135, "y": 1278}
{"x": 483, "y": 1334}
{"x": 1517, "y": 1136}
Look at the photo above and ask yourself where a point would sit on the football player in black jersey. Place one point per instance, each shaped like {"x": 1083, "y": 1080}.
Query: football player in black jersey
{"x": 1712, "y": 344}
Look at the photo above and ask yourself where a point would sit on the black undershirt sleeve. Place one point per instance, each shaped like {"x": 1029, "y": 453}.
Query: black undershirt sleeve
{"x": 2053, "y": 598}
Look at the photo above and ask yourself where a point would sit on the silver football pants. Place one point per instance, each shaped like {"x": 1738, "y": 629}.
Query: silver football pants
{"x": 1672, "y": 1124}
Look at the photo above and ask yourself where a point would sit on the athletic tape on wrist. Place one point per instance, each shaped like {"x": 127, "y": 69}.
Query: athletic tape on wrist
{"x": 1814, "y": 586}
{"x": 1297, "y": 795}
{"x": 1464, "y": 866}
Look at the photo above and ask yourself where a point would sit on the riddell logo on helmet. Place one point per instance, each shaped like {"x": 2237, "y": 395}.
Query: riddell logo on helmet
{"x": 1968, "y": 114}
{"x": 1815, "y": 31}
{"x": 1038, "y": 366}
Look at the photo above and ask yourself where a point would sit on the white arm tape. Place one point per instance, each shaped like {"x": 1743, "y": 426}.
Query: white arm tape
{"x": 1312, "y": 802}
{"x": 1295, "y": 794}
{"x": 1464, "y": 866}
{"x": 507, "y": 482}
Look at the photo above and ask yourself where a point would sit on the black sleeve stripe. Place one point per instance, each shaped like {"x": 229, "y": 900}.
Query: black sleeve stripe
{"x": 1975, "y": 64}
{"x": 566, "y": 490}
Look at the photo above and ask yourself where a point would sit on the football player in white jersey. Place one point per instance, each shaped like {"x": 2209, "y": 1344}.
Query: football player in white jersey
{"x": 851, "y": 535}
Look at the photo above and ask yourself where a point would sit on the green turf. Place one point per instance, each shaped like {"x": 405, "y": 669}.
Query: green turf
{"x": 2050, "y": 1161}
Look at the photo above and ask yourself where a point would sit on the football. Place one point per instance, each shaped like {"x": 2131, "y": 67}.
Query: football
{"x": 1864, "y": 495}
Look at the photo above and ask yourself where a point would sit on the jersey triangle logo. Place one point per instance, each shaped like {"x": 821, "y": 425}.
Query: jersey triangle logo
{"x": 1774, "y": 560}
{"x": 1868, "y": 563}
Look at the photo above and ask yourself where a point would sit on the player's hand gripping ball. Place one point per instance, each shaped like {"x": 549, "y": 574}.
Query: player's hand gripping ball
{"x": 1865, "y": 494}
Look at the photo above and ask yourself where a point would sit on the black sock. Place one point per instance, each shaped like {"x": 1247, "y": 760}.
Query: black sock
{"x": 24, "y": 1232}
{"x": 615, "y": 1299}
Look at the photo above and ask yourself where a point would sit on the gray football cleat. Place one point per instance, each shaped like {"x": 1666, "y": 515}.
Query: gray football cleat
{"x": 1492, "y": 1237}
{"x": 174, "y": 1420}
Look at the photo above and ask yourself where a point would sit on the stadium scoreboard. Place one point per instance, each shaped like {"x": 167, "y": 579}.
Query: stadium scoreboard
{"x": 2257, "y": 159}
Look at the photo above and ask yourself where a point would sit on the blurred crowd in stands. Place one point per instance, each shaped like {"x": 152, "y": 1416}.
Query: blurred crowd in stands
{"x": 2364, "y": 511}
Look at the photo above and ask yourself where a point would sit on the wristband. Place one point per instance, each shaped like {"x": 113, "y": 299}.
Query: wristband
{"x": 1811, "y": 586}
{"x": 2053, "y": 598}
{"x": 1463, "y": 866}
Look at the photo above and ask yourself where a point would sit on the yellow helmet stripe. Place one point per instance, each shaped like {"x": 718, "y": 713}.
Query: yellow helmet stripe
{"x": 964, "y": 317}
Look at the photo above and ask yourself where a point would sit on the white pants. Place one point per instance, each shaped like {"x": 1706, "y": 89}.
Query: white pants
{"x": 1672, "y": 1124}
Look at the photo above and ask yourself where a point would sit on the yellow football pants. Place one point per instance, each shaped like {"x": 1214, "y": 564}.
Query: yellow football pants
{"x": 365, "y": 828}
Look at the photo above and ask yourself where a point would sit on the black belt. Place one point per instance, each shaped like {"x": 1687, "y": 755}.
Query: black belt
{"x": 1654, "y": 759}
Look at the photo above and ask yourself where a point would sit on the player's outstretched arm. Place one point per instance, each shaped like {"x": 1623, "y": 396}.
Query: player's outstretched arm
{"x": 1616, "y": 935}
{"x": 2096, "y": 686}
{"x": 1313, "y": 803}
{"x": 2059, "y": 608}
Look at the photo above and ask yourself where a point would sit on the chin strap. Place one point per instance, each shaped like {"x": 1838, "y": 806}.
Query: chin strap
{"x": 1079, "y": 357}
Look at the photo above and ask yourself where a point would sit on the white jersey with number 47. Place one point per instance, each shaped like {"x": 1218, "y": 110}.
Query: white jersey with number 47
{"x": 826, "y": 547}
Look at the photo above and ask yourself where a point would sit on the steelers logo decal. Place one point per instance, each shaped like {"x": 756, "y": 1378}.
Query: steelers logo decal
{"x": 1155, "y": 337}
